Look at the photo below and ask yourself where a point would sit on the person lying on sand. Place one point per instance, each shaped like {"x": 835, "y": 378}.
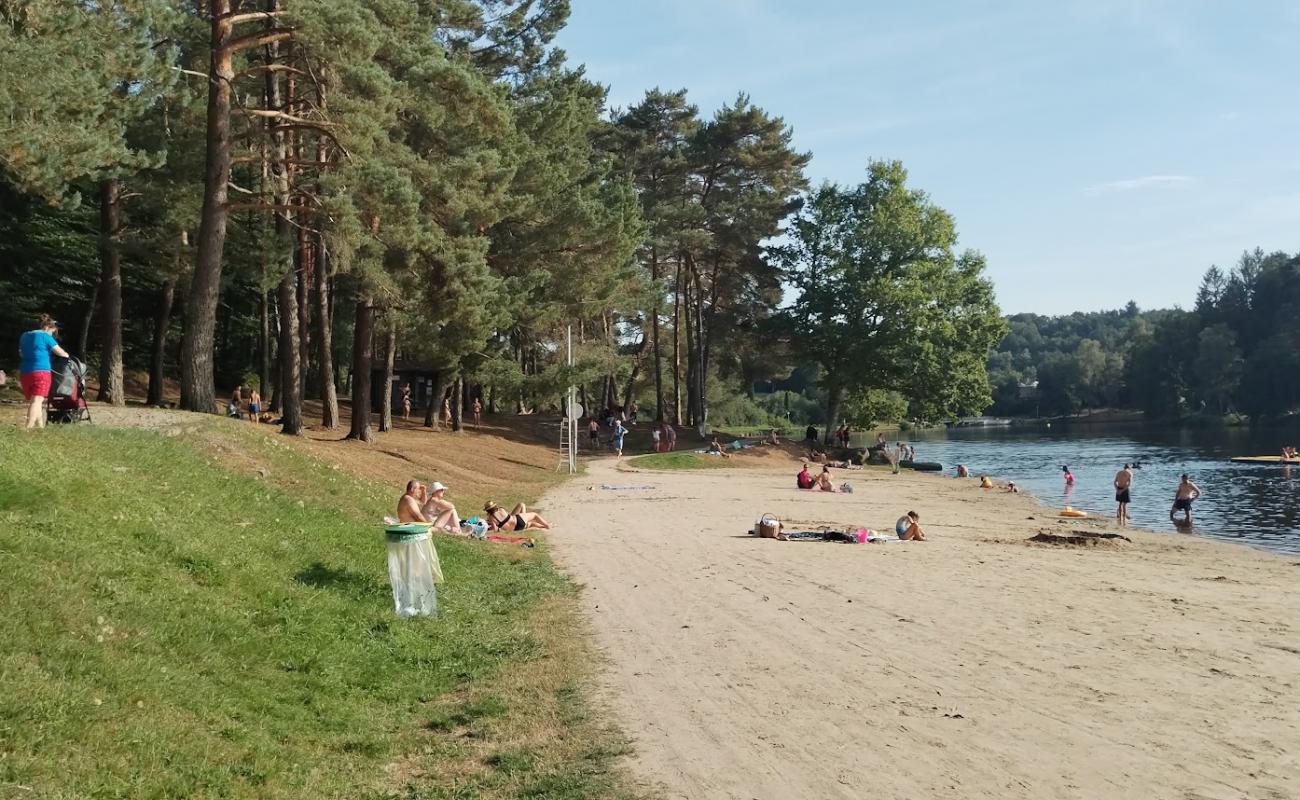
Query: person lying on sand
{"x": 408, "y": 507}
{"x": 519, "y": 518}
{"x": 1012, "y": 488}
{"x": 824, "y": 480}
{"x": 715, "y": 447}
{"x": 909, "y": 528}
{"x": 439, "y": 510}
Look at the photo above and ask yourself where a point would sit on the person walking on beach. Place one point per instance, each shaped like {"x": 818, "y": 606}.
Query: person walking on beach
{"x": 619, "y": 433}
{"x": 593, "y": 433}
{"x": 478, "y": 412}
{"x": 670, "y": 441}
{"x": 1187, "y": 492}
{"x": 34, "y": 371}
{"x": 1123, "y": 482}
{"x": 406, "y": 401}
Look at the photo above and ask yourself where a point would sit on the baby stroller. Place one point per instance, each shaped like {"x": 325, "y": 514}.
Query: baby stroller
{"x": 68, "y": 390}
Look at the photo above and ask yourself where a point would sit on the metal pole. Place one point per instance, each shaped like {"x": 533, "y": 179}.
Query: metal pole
{"x": 572, "y": 417}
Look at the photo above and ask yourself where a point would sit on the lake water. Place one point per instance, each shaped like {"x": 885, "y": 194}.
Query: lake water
{"x": 1253, "y": 504}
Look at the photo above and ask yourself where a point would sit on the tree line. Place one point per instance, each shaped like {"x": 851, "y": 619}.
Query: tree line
{"x": 290, "y": 192}
{"x": 1236, "y": 351}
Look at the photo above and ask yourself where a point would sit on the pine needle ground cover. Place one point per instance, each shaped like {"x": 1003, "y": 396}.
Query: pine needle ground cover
{"x": 172, "y": 627}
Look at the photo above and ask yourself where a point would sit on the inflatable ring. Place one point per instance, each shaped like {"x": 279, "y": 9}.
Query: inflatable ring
{"x": 1072, "y": 512}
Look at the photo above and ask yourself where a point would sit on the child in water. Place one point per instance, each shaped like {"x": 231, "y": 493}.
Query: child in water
{"x": 1069, "y": 476}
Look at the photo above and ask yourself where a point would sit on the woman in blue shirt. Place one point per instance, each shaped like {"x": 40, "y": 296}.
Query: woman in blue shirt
{"x": 35, "y": 347}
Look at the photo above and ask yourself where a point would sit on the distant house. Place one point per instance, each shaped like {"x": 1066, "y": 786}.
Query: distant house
{"x": 1028, "y": 391}
{"x": 422, "y": 378}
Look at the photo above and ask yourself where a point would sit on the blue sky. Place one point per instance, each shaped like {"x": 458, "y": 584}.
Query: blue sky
{"x": 1096, "y": 151}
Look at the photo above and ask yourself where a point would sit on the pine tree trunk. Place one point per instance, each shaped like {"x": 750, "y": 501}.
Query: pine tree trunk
{"x": 264, "y": 345}
{"x": 83, "y": 334}
{"x": 159, "y": 348}
{"x": 654, "y": 334}
{"x": 433, "y": 418}
{"x": 457, "y": 409}
{"x": 677, "y": 347}
{"x": 834, "y": 397}
{"x": 198, "y": 392}
{"x": 275, "y": 379}
{"x": 325, "y": 340}
{"x": 111, "y": 390}
{"x": 390, "y": 355}
{"x": 288, "y": 292}
{"x": 362, "y": 354}
{"x": 290, "y": 379}
{"x": 306, "y": 268}
{"x": 691, "y": 365}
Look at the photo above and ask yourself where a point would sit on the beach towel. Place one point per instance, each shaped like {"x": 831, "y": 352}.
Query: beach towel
{"x": 526, "y": 541}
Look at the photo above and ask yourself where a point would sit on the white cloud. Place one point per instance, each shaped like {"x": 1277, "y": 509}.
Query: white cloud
{"x": 1132, "y": 184}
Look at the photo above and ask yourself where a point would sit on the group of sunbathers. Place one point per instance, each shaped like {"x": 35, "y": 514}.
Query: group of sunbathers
{"x": 908, "y": 527}
{"x": 823, "y": 482}
{"x": 422, "y": 503}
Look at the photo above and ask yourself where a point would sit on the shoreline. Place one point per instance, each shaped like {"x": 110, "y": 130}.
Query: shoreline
{"x": 978, "y": 664}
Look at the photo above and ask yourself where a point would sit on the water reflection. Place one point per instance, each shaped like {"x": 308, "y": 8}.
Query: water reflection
{"x": 1246, "y": 502}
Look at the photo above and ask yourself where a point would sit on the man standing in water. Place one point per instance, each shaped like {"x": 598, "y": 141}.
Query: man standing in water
{"x": 1187, "y": 492}
{"x": 1123, "y": 482}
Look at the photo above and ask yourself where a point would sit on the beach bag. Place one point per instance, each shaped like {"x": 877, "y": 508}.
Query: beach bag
{"x": 768, "y": 526}
{"x": 474, "y": 527}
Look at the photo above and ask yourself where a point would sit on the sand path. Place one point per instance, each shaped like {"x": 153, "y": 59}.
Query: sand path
{"x": 972, "y": 666}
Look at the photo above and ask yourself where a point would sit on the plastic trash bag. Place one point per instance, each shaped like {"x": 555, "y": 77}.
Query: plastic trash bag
{"x": 413, "y": 570}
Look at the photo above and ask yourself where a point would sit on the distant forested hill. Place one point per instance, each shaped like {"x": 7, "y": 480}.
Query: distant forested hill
{"x": 1238, "y": 349}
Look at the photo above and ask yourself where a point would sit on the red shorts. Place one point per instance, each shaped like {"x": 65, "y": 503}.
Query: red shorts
{"x": 36, "y": 384}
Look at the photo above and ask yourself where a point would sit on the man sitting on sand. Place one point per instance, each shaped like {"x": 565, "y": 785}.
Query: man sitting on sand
{"x": 1187, "y": 492}
{"x": 408, "y": 508}
{"x": 824, "y": 480}
{"x": 715, "y": 448}
{"x": 438, "y": 510}
{"x": 805, "y": 480}
{"x": 519, "y": 518}
{"x": 909, "y": 528}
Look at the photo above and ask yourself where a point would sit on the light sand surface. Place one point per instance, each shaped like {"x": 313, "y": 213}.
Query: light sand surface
{"x": 976, "y": 665}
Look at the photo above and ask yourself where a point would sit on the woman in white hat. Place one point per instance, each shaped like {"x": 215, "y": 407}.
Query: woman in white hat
{"x": 440, "y": 510}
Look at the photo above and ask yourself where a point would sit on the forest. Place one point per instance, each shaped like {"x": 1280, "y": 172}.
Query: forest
{"x": 1237, "y": 351}
{"x": 289, "y": 194}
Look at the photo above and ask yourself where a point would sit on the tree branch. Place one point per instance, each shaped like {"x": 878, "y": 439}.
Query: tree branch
{"x": 250, "y": 16}
{"x": 258, "y": 39}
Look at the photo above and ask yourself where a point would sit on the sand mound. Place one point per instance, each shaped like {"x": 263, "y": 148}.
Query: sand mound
{"x": 1080, "y": 539}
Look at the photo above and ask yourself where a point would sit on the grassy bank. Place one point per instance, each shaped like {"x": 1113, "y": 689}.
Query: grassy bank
{"x": 174, "y": 624}
{"x": 674, "y": 461}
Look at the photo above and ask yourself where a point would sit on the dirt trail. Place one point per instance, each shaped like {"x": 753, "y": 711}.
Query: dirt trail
{"x": 977, "y": 665}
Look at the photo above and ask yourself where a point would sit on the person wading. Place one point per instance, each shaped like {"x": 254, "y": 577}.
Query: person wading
{"x": 1123, "y": 482}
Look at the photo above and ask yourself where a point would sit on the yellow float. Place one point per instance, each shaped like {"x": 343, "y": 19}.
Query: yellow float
{"x": 1073, "y": 512}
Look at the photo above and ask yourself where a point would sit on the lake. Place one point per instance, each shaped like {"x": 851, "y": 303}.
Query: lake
{"x": 1252, "y": 504}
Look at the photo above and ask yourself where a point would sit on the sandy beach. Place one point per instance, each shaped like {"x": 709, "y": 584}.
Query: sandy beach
{"x": 976, "y": 665}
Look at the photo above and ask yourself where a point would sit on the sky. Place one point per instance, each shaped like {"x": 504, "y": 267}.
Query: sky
{"x": 1096, "y": 151}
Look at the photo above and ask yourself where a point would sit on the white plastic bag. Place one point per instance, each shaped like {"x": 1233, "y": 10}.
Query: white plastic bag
{"x": 413, "y": 572}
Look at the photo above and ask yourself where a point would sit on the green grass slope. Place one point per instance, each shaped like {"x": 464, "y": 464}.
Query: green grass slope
{"x": 173, "y": 627}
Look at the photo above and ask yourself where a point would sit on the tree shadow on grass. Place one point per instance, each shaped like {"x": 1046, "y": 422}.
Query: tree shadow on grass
{"x": 345, "y": 581}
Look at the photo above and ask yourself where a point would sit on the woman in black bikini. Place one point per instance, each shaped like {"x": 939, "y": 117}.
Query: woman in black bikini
{"x": 519, "y": 519}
